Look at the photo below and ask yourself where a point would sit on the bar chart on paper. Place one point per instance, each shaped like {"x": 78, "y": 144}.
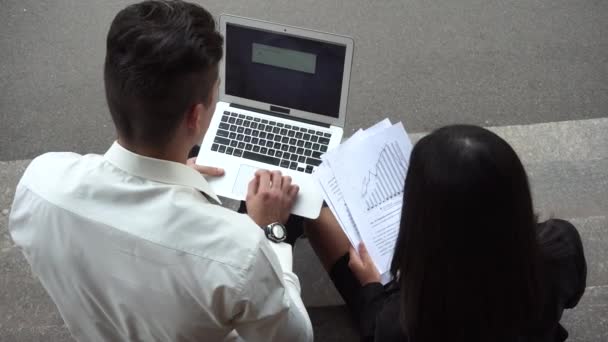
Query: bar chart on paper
{"x": 386, "y": 178}
{"x": 370, "y": 172}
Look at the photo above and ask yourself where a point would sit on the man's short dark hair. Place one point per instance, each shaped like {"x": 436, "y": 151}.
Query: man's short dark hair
{"x": 162, "y": 58}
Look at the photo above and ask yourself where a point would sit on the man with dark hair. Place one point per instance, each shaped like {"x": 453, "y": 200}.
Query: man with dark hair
{"x": 132, "y": 245}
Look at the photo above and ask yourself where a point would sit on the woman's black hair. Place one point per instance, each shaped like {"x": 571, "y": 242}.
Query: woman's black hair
{"x": 466, "y": 257}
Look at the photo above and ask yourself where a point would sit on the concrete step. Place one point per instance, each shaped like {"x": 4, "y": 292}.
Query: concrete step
{"x": 30, "y": 315}
{"x": 318, "y": 290}
{"x": 588, "y": 322}
{"x": 568, "y": 167}
{"x": 567, "y": 164}
{"x": 553, "y": 141}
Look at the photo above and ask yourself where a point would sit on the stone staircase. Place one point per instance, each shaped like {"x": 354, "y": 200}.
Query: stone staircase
{"x": 567, "y": 163}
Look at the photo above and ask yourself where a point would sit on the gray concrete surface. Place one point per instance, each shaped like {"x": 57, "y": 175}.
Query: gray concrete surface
{"x": 588, "y": 321}
{"x": 504, "y": 63}
{"x": 430, "y": 63}
{"x": 567, "y": 164}
{"x": 571, "y": 183}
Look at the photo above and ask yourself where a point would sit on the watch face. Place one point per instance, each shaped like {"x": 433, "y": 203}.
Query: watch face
{"x": 278, "y": 231}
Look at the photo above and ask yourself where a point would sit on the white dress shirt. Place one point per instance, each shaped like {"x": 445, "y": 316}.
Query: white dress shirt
{"x": 132, "y": 248}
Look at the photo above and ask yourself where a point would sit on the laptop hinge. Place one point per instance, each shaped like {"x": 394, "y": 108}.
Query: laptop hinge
{"x": 288, "y": 117}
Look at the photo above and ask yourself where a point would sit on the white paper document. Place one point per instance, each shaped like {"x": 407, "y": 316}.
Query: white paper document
{"x": 333, "y": 194}
{"x": 335, "y": 202}
{"x": 363, "y": 182}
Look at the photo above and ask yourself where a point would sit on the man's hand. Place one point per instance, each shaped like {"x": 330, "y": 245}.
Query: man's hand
{"x": 362, "y": 266}
{"x": 270, "y": 197}
{"x": 205, "y": 170}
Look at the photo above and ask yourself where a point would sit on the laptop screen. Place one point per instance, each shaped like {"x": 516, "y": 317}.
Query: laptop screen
{"x": 284, "y": 70}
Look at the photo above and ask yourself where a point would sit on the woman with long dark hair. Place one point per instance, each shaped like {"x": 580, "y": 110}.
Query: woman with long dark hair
{"x": 471, "y": 263}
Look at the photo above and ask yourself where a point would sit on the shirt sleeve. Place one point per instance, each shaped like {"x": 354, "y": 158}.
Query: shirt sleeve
{"x": 562, "y": 249}
{"x": 270, "y": 307}
{"x": 371, "y": 299}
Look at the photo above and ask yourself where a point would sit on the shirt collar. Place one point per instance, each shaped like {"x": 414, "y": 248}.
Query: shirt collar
{"x": 159, "y": 170}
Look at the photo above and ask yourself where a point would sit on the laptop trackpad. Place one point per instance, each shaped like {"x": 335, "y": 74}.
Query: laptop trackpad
{"x": 246, "y": 174}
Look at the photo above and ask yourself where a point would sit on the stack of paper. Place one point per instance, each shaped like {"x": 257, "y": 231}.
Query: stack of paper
{"x": 362, "y": 182}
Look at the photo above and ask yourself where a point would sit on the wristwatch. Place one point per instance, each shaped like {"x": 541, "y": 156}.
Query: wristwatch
{"x": 275, "y": 232}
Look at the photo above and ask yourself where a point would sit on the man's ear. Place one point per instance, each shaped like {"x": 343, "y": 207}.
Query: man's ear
{"x": 194, "y": 117}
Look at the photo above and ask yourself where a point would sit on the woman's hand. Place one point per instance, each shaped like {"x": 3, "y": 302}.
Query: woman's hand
{"x": 205, "y": 170}
{"x": 362, "y": 266}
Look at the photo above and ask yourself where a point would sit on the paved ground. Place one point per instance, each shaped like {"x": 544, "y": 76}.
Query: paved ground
{"x": 567, "y": 163}
{"x": 507, "y": 63}
{"x": 490, "y": 62}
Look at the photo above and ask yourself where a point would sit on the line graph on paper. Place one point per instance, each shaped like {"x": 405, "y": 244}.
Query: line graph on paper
{"x": 387, "y": 177}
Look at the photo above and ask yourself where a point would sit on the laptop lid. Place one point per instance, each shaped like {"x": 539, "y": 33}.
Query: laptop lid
{"x": 286, "y": 70}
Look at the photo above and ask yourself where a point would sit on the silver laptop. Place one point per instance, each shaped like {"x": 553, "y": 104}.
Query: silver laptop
{"x": 282, "y": 105}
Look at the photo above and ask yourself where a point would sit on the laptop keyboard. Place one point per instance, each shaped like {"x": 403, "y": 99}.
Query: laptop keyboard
{"x": 270, "y": 142}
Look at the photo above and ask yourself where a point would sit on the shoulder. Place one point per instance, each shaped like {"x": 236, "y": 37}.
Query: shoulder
{"x": 559, "y": 239}
{"x": 51, "y": 159}
{"x": 56, "y": 165}
{"x": 57, "y": 172}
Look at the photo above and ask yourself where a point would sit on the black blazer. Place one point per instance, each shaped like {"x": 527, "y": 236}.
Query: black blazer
{"x": 564, "y": 272}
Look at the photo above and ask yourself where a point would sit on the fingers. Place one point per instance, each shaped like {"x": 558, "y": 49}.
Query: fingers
{"x": 205, "y": 170}
{"x": 277, "y": 180}
{"x": 264, "y": 180}
{"x": 364, "y": 254}
{"x": 293, "y": 191}
{"x": 286, "y": 182}
{"x": 289, "y": 189}
{"x": 354, "y": 262}
{"x": 361, "y": 260}
{"x": 252, "y": 188}
{"x": 362, "y": 265}
{"x": 209, "y": 170}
